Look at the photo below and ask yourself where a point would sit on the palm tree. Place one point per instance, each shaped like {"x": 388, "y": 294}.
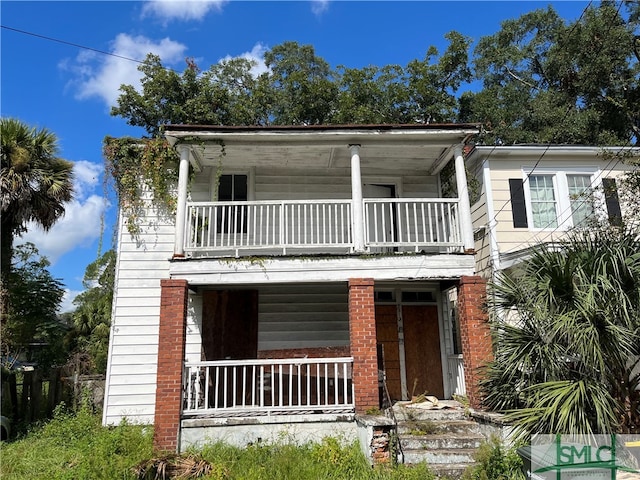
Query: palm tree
{"x": 567, "y": 334}
{"x": 34, "y": 182}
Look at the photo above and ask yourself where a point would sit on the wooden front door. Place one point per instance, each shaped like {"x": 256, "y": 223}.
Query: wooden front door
{"x": 229, "y": 324}
{"x": 422, "y": 350}
{"x": 387, "y": 338}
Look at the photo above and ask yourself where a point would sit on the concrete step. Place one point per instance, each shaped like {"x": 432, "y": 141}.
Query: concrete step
{"x": 440, "y": 441}
{"x": 450, "y": 471}
{"x": 404, "y": 411}
{"x": 444, "y": 456}
{"x": 428, "y": 427}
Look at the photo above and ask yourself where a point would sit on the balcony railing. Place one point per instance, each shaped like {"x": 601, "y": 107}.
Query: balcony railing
{"x": 414, "y": 223}
{"x": 320, "y": 226}
{"x": 258, "y": 387}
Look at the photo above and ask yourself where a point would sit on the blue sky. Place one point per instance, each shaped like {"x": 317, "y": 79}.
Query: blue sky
{"x": 46, "y": 82}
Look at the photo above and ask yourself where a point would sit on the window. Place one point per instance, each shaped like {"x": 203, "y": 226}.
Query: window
{"x": 543, "y": 201}
{"x": 232, "y": 188}
{"x": 559, "y": 199}
{"x": 581, "y": 198}
{"x": 232, "y": 218}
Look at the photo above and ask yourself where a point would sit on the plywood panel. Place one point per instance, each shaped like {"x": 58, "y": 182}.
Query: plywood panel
{"x": 387, "y": 336}
{"x": 422, "y": 350}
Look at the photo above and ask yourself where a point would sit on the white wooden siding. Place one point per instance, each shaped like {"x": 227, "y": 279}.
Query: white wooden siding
{"x": 133, "y": 348}
{"x": 303, "y": 316}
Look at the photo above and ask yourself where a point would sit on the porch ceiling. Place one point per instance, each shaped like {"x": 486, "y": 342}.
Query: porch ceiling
{"x": 381, "y": 148}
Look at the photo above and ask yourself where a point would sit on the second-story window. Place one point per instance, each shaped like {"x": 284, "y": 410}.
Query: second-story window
{"x": 560, "y": 199}
{"x": 543, "y": 201}
{"x": 232, "y": 218}
{"x": 580, "y": 198}
{"x": 232, "y": 188}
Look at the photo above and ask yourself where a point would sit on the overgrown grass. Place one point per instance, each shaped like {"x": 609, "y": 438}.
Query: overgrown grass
{"x": 77, "y": 447}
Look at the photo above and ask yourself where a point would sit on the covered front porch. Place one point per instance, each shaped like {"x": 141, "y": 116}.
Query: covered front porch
{"x": 312, "y": 369}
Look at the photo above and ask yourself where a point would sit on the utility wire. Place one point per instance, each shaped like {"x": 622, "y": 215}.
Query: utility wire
{"x": 583, "y": 198}
{"x": 64, "y": 42}
{"x": 548, "y": 146}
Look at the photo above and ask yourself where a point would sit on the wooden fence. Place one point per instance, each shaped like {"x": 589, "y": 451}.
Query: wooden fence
{"x": 32, "y": 395}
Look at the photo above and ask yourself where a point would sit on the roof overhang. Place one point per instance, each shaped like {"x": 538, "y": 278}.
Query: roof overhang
{"x": 381, "y": 146}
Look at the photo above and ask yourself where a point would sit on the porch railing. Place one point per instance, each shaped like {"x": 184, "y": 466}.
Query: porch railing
{"x": 321, "y": 225}
{"x": 268, "y": 225}
{"x": 415, "y": 223}
{"x": 258, "y": 387}
{"x": 456, "y": 374}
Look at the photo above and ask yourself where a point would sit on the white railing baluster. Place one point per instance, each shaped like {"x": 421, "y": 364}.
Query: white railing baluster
{"x": 336, "y": 383}
{"x": 299, "y": 382}
{"x": 226, "y": 386}
{"x": 261, "y": 385}
{"x": 318, "y": 395}
{"x": 308, "y": 384}
{"x": 345, "y": 381}
{"x": 225, "y": 381}
{"x": 189, "y": 387}
{"x": 217, "y": 387}
{"x": 290, "y": 391}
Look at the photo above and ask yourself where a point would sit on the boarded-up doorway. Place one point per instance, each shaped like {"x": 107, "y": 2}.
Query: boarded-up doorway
{"x": 387, "y": 338}
{"x": 229, "y": 324}
{"x": 422, "y": 350}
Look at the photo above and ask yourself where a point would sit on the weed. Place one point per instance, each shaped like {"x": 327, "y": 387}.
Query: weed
{"x": 495, "y": 462}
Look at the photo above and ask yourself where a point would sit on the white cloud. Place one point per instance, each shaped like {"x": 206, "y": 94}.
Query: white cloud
{"x": 101, "y": 75}
{"x": 318, "y": 7}
{"x": 86, "y": 176}
{"x": 67, "y": 300}
{"x": 81, "y": 223}
{"x": 79, "y": 227}
{"x": 185, "y": 10}
{"x": 256, "y": 54}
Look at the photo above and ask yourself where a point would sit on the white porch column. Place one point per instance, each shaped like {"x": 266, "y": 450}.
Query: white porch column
{"x": 181, "y": 209}
{"x": 464, "y": 206}
{"x": 356, "y": 200}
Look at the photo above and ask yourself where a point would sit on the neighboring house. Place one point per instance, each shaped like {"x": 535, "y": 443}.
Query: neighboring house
{"x": 526, "y": 195}
{"x": 304, "y": 266}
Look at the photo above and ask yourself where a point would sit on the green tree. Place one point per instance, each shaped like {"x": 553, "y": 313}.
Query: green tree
{"x": 168, "y": 97}
{"x": 34, "y": 182}
{"x": 32, "y": 314}
{"x": 299, "y": 88}
{"x": 92, "y": 316}
{"x": 547, "y": 81}
{"x": 567, "y": 336}
{"x": 303, "y": 85}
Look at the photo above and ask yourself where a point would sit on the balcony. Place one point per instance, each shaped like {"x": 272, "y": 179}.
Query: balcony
{"x": 322, "y": 227}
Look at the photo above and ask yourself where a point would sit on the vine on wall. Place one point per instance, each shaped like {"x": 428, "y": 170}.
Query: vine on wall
{"x": 136, "y": 165}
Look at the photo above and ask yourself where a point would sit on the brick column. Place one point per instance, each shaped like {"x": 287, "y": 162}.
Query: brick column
{"x": 362, "y": 332}
{"x": 474, "y": 332}
{"x": 173, "y": 316}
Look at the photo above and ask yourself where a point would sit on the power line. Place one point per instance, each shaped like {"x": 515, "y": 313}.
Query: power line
{"x": 64, "y": 42}
{"x": 569, "y": 108}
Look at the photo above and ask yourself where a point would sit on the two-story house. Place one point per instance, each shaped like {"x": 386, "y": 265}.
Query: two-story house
{"x": 527, "y": 195}
{"x": 306, "y": 273}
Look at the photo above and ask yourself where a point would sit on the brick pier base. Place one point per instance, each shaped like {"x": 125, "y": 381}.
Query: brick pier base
{"x": 475, "y": 333}
{"x": 173, "y": 315}
{"x": 362, "y": 332}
